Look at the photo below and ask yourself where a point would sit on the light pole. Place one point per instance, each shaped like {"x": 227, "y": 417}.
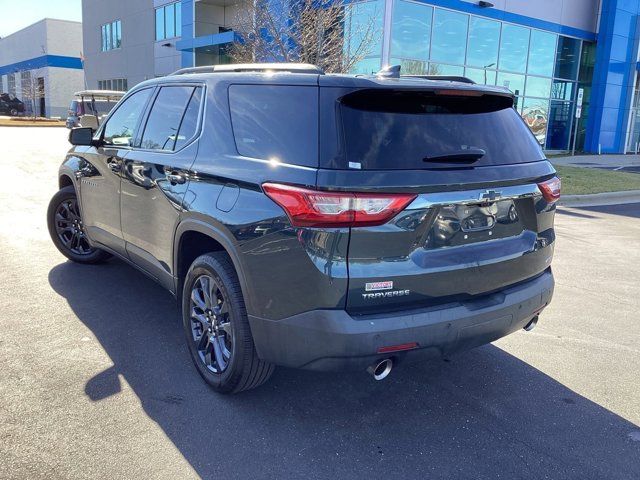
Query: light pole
{"x": 485, "y": 71}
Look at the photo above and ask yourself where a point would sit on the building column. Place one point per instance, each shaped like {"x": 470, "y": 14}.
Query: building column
{"x": 613, "y": 77}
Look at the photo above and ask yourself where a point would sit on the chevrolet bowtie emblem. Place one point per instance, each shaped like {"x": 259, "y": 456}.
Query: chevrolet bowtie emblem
{"x": 490, "y": 196}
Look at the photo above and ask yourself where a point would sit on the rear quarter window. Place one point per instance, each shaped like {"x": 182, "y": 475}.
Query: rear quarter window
{"x": 276, "y": 122}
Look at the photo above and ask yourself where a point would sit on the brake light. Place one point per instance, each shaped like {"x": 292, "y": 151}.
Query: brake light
{"x": 551, "y": 189}
{"x": 314, "y": 208}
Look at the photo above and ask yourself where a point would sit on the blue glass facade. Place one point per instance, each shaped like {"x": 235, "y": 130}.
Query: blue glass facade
{"x": 543, "y": 62}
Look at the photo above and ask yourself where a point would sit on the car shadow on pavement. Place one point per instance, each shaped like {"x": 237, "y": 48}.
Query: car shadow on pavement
{"x": 482, "y": 413}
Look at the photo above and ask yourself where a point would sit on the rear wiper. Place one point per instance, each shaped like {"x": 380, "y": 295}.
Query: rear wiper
{"x": 468, "y": 155}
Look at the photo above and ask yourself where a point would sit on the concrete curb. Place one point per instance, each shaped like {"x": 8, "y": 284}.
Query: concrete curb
{"x": 597, "y": 199}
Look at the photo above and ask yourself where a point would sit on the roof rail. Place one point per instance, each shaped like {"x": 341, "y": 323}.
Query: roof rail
{"x": 445, "y": 78}
{"x": 254, "y": 67}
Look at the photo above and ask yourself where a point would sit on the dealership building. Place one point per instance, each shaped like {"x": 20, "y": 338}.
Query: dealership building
{"x": 572, "y": 64}
{"x": 41, "y": 65}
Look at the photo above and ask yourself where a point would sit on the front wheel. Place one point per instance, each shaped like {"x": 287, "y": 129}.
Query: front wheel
{"x": 217, "y": 329}
{"x": 67, "y": 230}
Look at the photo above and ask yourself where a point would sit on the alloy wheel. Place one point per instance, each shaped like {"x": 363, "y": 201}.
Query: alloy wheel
{"x": 70, "y": 229}
{"x": 210, "y": 324}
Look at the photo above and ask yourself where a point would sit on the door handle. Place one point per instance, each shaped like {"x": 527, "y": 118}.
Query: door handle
{"x": 176, "y": 178}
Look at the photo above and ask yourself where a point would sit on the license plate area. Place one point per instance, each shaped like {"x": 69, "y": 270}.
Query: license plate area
{"x": 461, "y": 224}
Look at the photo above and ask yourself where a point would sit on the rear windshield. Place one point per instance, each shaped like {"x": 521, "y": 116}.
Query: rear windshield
{"x": 276, "y": 122}
{"x": 417, "y": 130}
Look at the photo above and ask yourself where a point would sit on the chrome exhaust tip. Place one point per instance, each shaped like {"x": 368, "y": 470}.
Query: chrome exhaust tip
{"x": 531, "y": 325}
{"x": 381, "y": 369}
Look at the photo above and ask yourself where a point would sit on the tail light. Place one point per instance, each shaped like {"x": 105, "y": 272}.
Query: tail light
{"x": 314, "y": 208}
{"x": 551, "y": 189}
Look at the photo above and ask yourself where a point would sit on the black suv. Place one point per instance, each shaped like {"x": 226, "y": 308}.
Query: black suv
{"x": 318, "y": 221}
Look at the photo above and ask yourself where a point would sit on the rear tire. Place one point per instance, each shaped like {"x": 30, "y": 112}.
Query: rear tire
{"x": 64, "y": 220}
{"x": 217, "y": 328}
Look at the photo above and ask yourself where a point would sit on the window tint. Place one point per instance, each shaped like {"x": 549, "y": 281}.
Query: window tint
{"x": 120, "y": 127}
{"x": 276, "y": 122}
{"x": 190, "y": 121}
{"x": 398, "y": 130}
{"x": 161, "y": 130}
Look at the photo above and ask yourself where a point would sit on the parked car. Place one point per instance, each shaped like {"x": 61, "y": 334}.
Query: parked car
{"x": 10, "y": 105}
{"x": 91, "y": 106}
{"x": 318, "y": 221}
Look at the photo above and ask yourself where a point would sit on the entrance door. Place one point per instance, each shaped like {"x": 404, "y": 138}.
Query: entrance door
{"x": 41, "y": 95}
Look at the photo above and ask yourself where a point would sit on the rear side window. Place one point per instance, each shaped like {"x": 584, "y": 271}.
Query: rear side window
{"x": 415, "y": 130}
{"x": 165, "y": 125}
{"x": 276, "y": 122}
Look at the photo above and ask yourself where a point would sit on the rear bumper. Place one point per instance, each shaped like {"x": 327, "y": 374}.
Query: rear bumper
{"x": 335, "y": 340}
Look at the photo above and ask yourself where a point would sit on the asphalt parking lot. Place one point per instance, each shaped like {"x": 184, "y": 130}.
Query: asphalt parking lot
{"x": 95, "y": 380}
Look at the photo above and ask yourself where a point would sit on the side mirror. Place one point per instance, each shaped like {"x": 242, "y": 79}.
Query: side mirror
{"x": 81, "y": 136}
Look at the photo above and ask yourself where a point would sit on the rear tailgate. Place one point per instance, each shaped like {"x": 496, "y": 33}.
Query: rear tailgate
{"x": 478, "y": 223}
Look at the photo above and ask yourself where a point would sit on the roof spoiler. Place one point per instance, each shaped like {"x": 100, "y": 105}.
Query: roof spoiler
{"x": 254, "y": 67}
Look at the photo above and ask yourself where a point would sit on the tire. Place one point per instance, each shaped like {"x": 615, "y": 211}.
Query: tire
{"x": 13, "y": 112}
{"x": 227, "y": 324}
{"x": 83, "y": 251}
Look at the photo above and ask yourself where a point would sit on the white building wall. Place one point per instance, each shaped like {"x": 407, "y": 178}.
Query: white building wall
{"x": 46, "y": 37}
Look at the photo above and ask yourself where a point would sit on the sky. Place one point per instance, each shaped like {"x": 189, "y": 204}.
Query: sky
{"x": 17, "y": 14}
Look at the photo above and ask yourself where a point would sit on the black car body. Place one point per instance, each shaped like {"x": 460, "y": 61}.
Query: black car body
{"x": 366, "y": 218}
{"x": 10, "y": 105}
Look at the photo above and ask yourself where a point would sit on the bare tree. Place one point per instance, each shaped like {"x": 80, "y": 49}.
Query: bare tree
{"x": 328, "y": 33}
{"x": 32, "y": 91}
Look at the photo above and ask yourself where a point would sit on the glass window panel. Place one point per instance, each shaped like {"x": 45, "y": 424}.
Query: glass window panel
{"x": 559, "y": 130}
{"x": 411, "y": 30}
{"x": 443, "y": 69}
{"x": 367, "y": 66}
{"x": 562, "y": 90}
{"x": 170, "y": 20}
{"x": 120, "y": 126}
{"x": 159, "y": 23}
{"x": 179, "y": 19}
{"x": 103, "y": 37}
{"x": 190, "y": 121}
{"x": 568, "y": 58}
{"x": 587, "y": 62}
{"x": 482, "y": 76}
{"x": 513, "y": 82}
{"x": 161, "y": 130}
{"x": 542, "y": 53}
{"x": 114, "y": 34}
{"x": 538, "y": 87}
{"x": 363, "y": 28}
{"x": 513, "y": 48}
{"x": 411, "y": 67}
{"x": 449, "y": 38}
{"x": 108, "y": 36}
{"x": 484, "y": 39}
{"x": 535, "y": 113}
{"x": 119, "y": 36}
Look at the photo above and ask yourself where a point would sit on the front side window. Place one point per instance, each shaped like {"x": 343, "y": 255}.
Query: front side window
{"x": 165, "y": 121}
{"x": 120, "y": 127}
